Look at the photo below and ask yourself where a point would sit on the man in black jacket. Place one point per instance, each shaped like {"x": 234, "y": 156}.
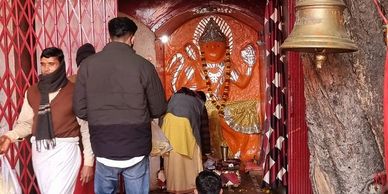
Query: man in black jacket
{"x": 119, "y": 92}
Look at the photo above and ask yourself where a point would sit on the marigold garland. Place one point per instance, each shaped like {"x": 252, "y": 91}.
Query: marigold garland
{"x": 220, "y": 105}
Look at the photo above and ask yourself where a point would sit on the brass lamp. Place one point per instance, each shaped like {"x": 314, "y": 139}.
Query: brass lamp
{"x": 319, "y": 28}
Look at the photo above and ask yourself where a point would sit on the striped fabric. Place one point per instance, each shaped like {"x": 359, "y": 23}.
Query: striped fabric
{"x": 275, "y": 137}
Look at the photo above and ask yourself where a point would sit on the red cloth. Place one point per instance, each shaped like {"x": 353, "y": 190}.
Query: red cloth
{"x": 87, "y": 188}
{"x": 230, "y": 177}
{"x": 252, "y": 166}
{"x": 386, "y": 111}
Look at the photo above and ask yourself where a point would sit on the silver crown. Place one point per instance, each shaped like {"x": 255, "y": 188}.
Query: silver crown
{"x": 212, "y": 33}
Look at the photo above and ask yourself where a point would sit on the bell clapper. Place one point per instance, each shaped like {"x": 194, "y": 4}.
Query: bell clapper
{"x": 320, "y": 58}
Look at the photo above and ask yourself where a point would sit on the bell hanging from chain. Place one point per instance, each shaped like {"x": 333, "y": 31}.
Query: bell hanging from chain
{"x": 319, "y": 28}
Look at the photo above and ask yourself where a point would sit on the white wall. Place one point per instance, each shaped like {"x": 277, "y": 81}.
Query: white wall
{"x": 144, "y": 41}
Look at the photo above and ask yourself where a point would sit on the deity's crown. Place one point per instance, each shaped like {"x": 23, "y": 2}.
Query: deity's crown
{"x": 212, "y": 33}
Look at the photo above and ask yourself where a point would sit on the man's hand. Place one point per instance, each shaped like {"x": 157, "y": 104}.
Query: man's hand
{"x": 5, "y": 142}
{"x": 86, "y": 174}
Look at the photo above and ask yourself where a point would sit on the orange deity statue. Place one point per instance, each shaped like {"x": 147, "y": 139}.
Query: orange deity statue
{"x": 211, "y": 63}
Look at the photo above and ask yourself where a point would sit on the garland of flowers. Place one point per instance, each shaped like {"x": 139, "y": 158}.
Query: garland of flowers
{"x": 220, "y": 105}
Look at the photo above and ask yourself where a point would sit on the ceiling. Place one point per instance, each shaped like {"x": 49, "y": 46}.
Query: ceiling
{"x": 167, "y": 15}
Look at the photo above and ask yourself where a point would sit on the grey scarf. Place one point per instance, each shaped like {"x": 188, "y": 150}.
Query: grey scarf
{"x": 47, "y": 84}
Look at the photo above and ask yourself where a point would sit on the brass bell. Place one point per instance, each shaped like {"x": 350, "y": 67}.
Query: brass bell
{"x": 319, "y": 28}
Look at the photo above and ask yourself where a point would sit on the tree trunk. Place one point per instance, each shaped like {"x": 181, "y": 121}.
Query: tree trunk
{"x": 344, "y": 108}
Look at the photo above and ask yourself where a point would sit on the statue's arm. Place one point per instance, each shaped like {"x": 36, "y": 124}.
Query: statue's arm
{"x": 242, "y": 78}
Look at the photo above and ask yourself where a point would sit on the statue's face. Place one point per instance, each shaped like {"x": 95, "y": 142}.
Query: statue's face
{"x": 214, "y": 51}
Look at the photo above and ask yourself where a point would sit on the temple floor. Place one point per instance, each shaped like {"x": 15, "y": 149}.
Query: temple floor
{"x": 250, "y": 184}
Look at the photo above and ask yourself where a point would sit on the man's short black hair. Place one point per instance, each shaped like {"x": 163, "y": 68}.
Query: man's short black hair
{"x": 121, "y": 26}
{"x": 53, "y": 52}
{"x": 186, "y": 91}
{"x": 208, "y": 182}
{"x": 83, "y": 52}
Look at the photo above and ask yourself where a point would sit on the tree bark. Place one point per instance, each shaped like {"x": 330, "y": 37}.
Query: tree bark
{"x": 344, "y": 107}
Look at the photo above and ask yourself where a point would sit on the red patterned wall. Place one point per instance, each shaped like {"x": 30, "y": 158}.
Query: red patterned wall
{"x": 26, "y": 28}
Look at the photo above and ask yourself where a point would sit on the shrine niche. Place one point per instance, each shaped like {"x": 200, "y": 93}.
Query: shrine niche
{"x": 220, "y": 55}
